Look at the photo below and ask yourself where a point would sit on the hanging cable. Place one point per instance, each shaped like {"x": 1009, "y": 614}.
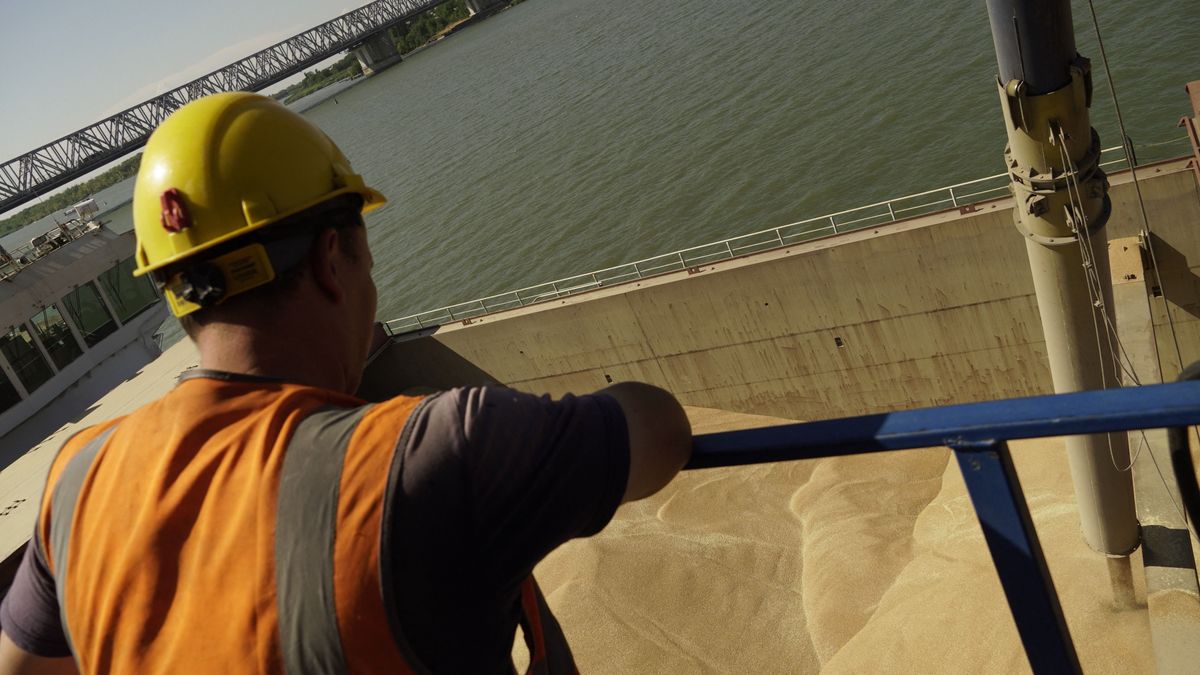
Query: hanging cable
{"x": 1112, "y": 88}
{"x": 1087, "y": 254}
{"x": 1080, "y": 227}
{"x": 1095, "y": 284}
{"x": 1094, "y": 288}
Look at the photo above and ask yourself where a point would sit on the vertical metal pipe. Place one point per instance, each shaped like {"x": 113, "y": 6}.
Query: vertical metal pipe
{"x": 1060, "y": 206}
{"x": 1104, "y": 494}
{"x": 1034, "y": 41}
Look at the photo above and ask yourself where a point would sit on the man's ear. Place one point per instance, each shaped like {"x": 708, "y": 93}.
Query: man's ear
{"x": 325, "y": 264}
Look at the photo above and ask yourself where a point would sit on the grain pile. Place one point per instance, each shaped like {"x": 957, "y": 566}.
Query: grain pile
{"x": 844, "y": 565}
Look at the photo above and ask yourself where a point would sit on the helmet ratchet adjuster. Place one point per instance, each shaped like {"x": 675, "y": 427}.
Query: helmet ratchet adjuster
{"x": 202, "y": 284}
{"x": 213, "y": 281}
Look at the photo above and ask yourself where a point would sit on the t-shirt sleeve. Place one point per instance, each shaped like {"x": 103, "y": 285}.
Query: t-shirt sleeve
{"x": 29, "y": 614}
{"x": 528, "y": 473}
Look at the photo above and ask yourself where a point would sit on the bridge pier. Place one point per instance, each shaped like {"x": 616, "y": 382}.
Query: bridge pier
{"x": 476, "y": 7}
{"x": 377, "y": 52}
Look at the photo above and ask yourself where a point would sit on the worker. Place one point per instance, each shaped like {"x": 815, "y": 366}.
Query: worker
{"x": 259, "y": 518}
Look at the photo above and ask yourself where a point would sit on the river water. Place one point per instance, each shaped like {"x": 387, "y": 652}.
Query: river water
{"x": 563, "y": 136}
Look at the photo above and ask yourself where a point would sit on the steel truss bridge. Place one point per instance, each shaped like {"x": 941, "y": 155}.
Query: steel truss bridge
{"x": 55, "y": 164}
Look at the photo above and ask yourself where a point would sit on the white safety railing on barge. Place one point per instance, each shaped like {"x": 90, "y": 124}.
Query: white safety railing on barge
{"x": 910, "y": 206}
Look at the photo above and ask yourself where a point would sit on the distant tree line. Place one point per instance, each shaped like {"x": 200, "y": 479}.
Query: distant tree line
{"x": 428, "y": 25}
{"x": 72, "y": 195}
{"x": 344, "y": 69}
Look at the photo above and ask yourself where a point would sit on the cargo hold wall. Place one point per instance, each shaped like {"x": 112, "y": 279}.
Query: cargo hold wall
{"x": 934, "y": 310}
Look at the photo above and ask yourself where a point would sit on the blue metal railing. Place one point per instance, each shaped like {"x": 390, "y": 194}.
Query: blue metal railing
{"x": 978, "y": 435}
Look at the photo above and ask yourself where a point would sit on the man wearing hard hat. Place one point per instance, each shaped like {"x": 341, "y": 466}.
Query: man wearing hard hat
{"x": 261, "y": 518}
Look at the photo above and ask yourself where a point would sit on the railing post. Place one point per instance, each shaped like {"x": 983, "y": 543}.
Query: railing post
{"x": 833, "y": 223}
{"x": 779, "y": 236}
{"x": 953, "y": 199}
{"x": 554, "y": 285}
{"x": 891, "y": 212}
{"x": 728, "y": 248}
{"x": 999, "y": 502}
{"x": 637, "y": 271}
{"x": 682, "y": 264}
{"x": 595, "y": 280}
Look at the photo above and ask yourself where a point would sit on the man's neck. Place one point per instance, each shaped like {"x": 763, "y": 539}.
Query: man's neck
{"x": 298, "y": 358}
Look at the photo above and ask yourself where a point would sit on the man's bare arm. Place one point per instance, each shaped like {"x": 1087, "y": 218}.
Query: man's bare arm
{"x": 17, "y": 661}
{"x": 660, "y": 436}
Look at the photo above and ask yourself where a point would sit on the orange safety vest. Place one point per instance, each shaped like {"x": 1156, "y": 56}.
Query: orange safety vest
{"x": 236, "y": 526}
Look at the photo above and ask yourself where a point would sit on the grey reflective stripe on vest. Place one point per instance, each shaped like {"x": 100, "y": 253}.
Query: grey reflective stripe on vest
{"x": 62, "y": 512}
{"x": 305, "y": 526}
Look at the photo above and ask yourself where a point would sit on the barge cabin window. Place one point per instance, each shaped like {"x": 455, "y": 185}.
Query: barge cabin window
{"x": 56, "y": 336}
{"x": 24, "y": 357}
{"x": 9, "y": 396}
{"x": 130, "y": 296}
{"x": 88, "y": 313}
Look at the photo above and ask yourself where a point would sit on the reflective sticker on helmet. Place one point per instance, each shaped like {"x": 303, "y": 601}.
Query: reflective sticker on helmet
{"x": 175, "y": 216}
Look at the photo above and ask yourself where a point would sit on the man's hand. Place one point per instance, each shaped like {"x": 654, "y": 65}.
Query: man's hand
{"x": 660, "y": 436}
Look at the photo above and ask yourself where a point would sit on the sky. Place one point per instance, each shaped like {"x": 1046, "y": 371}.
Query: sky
{"x": 65, "y": 64}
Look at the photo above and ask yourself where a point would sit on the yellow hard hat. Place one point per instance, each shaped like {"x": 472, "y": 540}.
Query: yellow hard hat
{"x": 226, "y": 165}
